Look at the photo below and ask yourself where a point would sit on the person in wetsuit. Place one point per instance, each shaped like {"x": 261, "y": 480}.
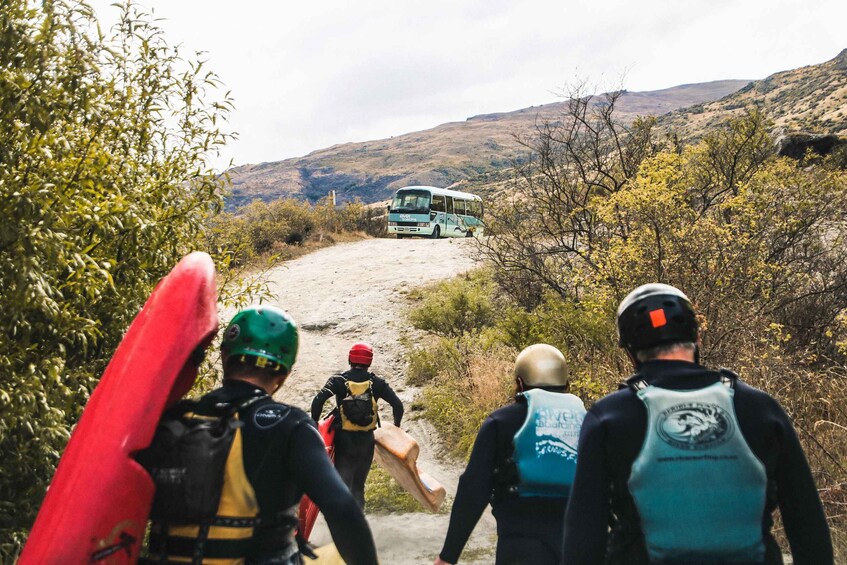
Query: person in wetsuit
{"x": 528, "y": 504}
{"x": 356, "y": 394}
{"x": 685, "y": 464}
{"x": 282, "y": 457}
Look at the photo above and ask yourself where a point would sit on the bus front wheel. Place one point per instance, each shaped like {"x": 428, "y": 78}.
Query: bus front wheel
{"x": 436, "y": 232}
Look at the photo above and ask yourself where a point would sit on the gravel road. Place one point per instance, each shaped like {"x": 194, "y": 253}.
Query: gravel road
{"x": 358, "y": 291}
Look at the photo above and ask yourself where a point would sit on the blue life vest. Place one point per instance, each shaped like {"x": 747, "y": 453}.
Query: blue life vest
{"x": 699, "y": 489}
{"x": 545, "y": 446}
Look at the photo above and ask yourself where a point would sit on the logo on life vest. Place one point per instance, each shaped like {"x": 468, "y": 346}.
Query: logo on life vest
{"x": 694, "y": 425}
{"x": 557, "y": 432}
{"x": 269, "y": 416}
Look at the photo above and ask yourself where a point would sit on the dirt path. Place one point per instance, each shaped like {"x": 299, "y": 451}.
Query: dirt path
{"x": 357, "y": 291}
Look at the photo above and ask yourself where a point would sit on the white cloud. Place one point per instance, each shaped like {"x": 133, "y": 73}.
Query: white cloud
{"x": 307, "y": 75}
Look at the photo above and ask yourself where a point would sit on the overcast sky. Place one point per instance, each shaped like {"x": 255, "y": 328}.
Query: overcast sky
{"x": 309, "y": 74}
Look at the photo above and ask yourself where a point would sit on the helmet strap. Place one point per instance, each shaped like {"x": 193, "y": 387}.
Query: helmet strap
{"x": 632, "y": 357}
{"x": 519, "y": 385}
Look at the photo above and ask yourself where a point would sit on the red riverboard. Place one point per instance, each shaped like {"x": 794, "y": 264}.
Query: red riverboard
{"x": 308, "y": 510}
{"x": 97, "y": 505}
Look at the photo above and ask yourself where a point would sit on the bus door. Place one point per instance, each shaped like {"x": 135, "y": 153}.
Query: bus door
{"x": 473, "y": 217}
{"x": 437, "y": 212}
{"x": 452, "y": 222}
{"x": 460, "y": 211}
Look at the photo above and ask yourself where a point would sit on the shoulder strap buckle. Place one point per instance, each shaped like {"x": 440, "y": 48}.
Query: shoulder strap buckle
{"x": 728, "y": 377}
{"x": 636, "y": 382}
{"x": 639, "y": 384}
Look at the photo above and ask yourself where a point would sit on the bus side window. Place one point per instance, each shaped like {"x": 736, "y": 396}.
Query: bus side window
{"x": 459, "y": 206}
{"x": 449, "y": 204}
{"x": 437, "y": 203}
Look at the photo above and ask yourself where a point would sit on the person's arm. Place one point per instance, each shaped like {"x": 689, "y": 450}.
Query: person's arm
{"x": 388, "y": 394}
{"x": 799, "y": 503}
{"x": 321, "y": 397}
{"x": 587, "y": 514}
{"x": 315, "y": 474}
{"x": 472, "y": 494}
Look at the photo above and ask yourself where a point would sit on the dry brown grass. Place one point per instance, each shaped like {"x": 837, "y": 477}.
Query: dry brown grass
{"x": 457, "y": 402}
{"x": 814, "y": 395}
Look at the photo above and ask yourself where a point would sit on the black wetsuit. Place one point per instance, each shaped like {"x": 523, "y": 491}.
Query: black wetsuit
{"x": 529, "y": 530}
{"x": 611, "y": 438}
{"x": 354, "y": 450}
{"x": 284, "y": 456}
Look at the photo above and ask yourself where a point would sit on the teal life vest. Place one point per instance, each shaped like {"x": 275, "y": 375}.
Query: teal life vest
{"x": 545, "y": 445}
{"x": 699, "y": 489}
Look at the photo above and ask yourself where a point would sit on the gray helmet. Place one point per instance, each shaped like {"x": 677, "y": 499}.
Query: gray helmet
{"x": 542, "y": 365}
{"x": 655, "y": 314}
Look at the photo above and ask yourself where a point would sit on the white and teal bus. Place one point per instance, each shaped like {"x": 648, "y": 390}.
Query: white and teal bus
{"x": 428, "y": 211}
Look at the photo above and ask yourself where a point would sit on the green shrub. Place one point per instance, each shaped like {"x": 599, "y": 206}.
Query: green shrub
{"x": 355, "y": 216}
{"x": 436, "y": 355}
{"x": 277, "y": 229}
{"x": 457, "y": 307}
{"x": 458, "y": 400}
{"x": 758, "y": 242}
{"x": 462, "y": 362}
{"x": 104, "y": 186}
{"x": 227, "y": 235}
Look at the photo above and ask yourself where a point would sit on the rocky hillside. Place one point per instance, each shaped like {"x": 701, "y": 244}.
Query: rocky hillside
{"x": 812, "y": 99}
{"x": 481, "y": 145}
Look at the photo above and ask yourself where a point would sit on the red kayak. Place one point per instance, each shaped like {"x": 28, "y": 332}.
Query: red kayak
{"x": 308, "y": 511}
{"x": 97, "y": 505}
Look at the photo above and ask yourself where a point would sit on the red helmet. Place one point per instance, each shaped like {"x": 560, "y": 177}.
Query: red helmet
{"x": 361, "y": 354}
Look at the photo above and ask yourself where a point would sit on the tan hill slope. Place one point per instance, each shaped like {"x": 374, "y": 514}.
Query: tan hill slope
{"x": 812, "y": 98}
{"x": 478, "y": 152}
{"x": 440, "y": 156}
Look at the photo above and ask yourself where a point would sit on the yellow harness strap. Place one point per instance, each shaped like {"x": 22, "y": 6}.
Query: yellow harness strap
{"x": 358, "y": 389}
{"x": 238, "y": 500}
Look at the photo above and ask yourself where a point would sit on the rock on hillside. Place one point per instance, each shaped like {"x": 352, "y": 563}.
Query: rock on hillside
{"x": 440, "y": 156}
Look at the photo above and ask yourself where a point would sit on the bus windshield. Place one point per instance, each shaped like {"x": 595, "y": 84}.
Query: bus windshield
{"x": 411, "y": 202}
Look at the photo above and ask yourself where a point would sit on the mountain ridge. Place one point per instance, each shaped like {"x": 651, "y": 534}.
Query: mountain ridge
{"x": 442, "y": 155}
{"x": 810, "y": 98}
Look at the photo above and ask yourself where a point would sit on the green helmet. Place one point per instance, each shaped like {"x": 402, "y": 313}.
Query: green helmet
{"x": 263, "y": 335}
